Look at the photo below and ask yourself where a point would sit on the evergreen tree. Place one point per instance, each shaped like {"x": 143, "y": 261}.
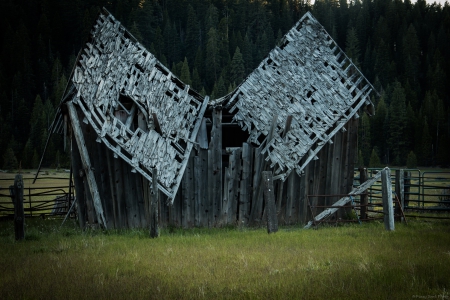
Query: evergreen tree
{"x": 9, "y": 160}
{"x": 192, "y": 34}
{"x": 374, "y": 161}
{"x": 212, "y": 55}
{"x": 398, "y": 122}
{"x": 411, "y": 161}
{"x": 185, "y": 73}
{"x": 352, "y": 46}
{"x": 237, "y": 71}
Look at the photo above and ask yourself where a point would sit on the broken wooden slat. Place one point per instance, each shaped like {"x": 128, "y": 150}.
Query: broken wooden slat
{"x": 86, "y": 163}
{"x": 343, "y": 201}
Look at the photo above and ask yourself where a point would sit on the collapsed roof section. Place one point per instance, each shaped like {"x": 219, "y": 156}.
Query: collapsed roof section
{"x": 137, "y": 107}
{"x": 309, "y": 78}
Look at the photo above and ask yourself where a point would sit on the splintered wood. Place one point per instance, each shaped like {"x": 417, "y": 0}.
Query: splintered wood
{"x": 138, "y": 108}
{"x": 309, "y": 78}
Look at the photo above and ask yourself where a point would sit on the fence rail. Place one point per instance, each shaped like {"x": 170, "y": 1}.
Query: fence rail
{"x": 49, "y": 196}
{"x": 419, "y": 191}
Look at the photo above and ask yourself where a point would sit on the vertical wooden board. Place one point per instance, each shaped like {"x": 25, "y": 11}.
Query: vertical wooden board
{"x": 269, "y": 196}
{"x": 86, "y": 129}
{"x": 309, "y": 187}
{"x": 131, "y": 198}
{"x": 197, "y": 190}
{"x": 90, "y": 213}
{"x": 353, "y": 153}
{"x": 188, "y": 193}
{"x": 335, "y": 164}
{"x": 113, "y": 193}
{"x": 256, "y": 203}
{"x": 119, "y": 186}
{"x": 79, "y": 184}
{"x": 204, "y": 184}
{"x": 303, "y": 200}
{"x": 163, "y": 209}
{"x": 175, "y": 209}
{"x": 217, "y": 164}
{"x": 136, "y": 178}
{"x": 103, "y": 183}
{"x": 146, "y": 197}
{"x": 77, "y": 131}
{"x": 290, "y": 198}
{"x": 226, "y": 193}
{"x": 209, "y": 205}
{"x": 237, "y": 180}
{"x": 245, "y": 185}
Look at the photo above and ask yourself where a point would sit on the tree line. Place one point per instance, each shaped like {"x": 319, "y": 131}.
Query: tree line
{"x": 401, "y": 47}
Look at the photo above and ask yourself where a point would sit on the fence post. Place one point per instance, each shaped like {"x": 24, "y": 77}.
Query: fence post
{"x": 19, "y": 218}
{"x": 387, "y": 199}
{"x": 364, "y": 197}
{"x": 269, "y": 195}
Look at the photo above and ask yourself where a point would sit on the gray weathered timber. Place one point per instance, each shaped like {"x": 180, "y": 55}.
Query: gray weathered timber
{"x": 117, "y": 80}
{"x": 329, "y": 211}
{"x": 364, "y": 197}
{"x": 216, "y": 166}
{"x": 269, "y": 196}
{"x": 154, "y": 229}
{"x": 400, "y": 192}
{"x": 203, "y": 183}
{"x": 386, "y": 191}
{"x": 19, "y": 216}
{"x": 77, "y": 166}
{"x": 86, "y": 163}
{"x": 188, "y": 195}
{"x": 329, "y": 96}
{"x": 245, "y": 185}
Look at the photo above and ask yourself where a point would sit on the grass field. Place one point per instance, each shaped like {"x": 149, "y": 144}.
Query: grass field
{"x": 347, "y": 262}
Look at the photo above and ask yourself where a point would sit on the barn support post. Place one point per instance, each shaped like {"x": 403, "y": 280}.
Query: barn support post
{"x": 269, "y": 196}
{"x": 364, "y": 197}
{"x": 19, "y": 216}
{"x": 154, "y": 230}
{"x": 86, "y": 163}
{"x": 399, "y": 192}
{"x": 387, "y": 199}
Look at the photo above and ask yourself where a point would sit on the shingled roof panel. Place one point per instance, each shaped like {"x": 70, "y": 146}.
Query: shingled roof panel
{"x": 309, "y": 78}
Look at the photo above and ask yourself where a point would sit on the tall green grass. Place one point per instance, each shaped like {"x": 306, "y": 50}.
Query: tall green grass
{"x": 347, "y": 262}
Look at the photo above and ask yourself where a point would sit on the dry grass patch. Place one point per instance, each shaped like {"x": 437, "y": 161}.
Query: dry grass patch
{"x": 347, "y": 262}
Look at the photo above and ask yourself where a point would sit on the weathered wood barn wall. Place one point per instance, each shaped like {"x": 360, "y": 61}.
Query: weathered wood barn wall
{"x": 296, "y": 115}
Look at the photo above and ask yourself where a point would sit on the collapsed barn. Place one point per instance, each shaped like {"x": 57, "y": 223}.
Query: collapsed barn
{"x": 132, "y": 125}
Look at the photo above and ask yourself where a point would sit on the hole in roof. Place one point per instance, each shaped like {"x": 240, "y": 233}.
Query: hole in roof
{"x": 139, "y": 67}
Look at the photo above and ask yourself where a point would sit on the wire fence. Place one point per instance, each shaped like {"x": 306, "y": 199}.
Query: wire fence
{"x": 423, "y": 192}
{"x": 49, "y": 196}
